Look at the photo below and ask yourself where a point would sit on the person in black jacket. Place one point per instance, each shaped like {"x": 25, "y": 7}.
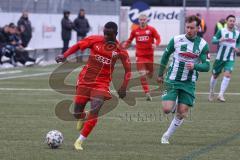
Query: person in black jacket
{"x": 67, "y": 27}
{"x": 26, "y": 28}
{"x": 82, "y": 27}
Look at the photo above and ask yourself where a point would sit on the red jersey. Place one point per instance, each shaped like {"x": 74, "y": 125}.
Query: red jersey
{"x": 144, "y": 38}
{"x": 100, "y": 65}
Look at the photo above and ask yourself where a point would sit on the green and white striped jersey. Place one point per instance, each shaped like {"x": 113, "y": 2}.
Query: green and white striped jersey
{"x": 186, "y": 51}
{"x": 226, "y": 47}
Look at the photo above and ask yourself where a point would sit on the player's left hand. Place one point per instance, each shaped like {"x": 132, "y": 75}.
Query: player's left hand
{"x": 154, "y": 46}
{"x": 122, "y": 92}
{"x": 190, "y": 66}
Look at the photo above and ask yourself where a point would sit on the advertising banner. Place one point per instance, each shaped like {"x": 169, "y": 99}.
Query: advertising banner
{"x": 166, "y": 20}
{"x": 47, "y": 27}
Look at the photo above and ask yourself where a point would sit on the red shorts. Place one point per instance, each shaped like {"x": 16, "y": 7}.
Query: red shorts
{"x": 84, "y": 92}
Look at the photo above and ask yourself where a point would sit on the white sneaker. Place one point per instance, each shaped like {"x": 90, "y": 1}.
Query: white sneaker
{"x": 29, "y": 63}
{"x": 148, "y": 97}
{"x": 18, "y": 64}
{"x": 39, "y": 59}
{"x": 211, "y": 97}
{"x": 221, "y": 98}
{"x": 7, "y": 65}
{"x": 4, "y": 58}
{"x": 164, "y": 139}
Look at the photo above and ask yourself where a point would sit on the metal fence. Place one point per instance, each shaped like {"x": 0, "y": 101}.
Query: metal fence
{"x": 99, "y": 7}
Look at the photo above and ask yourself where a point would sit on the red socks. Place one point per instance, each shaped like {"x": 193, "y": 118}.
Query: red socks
{"x": 144, "y": 84}
{"x": 89, "y": 125}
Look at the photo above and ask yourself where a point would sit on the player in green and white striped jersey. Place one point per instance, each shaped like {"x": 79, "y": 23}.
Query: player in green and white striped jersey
{"x": 190, "y": 55}
{"x": 229, "y": 43}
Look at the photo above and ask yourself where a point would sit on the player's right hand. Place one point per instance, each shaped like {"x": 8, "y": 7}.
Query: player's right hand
{"x": 122, "y": 92}
{"x": 60, "y": 58}
{"x": 160, "y": 79}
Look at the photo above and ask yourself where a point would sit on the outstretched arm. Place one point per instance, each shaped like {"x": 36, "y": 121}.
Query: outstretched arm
{"x": 81, "y": 45}
{"x": 63, "y": 57}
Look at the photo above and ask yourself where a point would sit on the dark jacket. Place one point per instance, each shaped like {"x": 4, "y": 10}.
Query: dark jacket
{"x": 67, "y": 27}
{"x": 26, "y": 24}
{"x": 81, "y": 26}
{"x": 4, "y": 38}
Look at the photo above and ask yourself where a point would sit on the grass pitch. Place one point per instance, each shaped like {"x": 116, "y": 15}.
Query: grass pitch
{"x": 27, "y": 113}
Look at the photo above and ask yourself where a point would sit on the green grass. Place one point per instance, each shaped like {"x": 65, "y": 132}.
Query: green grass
{"x": 211, "y": 132}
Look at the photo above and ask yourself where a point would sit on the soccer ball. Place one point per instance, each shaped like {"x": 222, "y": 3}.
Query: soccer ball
{"x": 54, "y": 139}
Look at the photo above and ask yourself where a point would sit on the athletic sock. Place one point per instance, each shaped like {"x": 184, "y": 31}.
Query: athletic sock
{"x": 144, "y": 83}
{"x": 82, "y": 138}
{"x": 224, "y": 85}
{"x": 173, "y": 126}
{"x": 213, "y": 83}
{"x": 89, "y": 125}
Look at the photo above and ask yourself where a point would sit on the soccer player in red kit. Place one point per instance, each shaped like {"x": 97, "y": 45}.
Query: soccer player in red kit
{"x": 147, "y": 38}
{"x": 93, "y": 81}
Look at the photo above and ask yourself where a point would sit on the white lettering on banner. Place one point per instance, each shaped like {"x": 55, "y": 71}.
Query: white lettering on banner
{"x": 143, "y": 38}
{"x": 102, "y": 59}
{"x": 166, "y": 20}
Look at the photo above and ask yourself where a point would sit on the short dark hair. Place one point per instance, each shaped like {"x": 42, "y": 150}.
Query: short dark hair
{"x": 66, "y": 12}
{"x": 12, "y": 25}
{"x": 111, "y": 25}
{"x": 230, "y": 16}
{"x": 193, "y": 18}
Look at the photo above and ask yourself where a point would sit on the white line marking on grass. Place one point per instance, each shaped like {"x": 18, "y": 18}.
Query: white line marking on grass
{"x": 26, "y": 89}
{"x": 10, "y": 72}
{"x": 26, "y": 75}
{"x": 49, "y": 89}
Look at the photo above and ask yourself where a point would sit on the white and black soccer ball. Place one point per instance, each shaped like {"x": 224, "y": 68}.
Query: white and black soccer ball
{"x": 54, "y": 139}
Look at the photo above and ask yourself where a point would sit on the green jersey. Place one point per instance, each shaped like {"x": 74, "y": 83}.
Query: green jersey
{"x": 226, "y": 47}
{"x": 185, "y": 51}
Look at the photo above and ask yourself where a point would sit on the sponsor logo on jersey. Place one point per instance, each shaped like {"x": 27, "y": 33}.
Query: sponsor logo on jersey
{"x": 143, "y": 38}
{"x": 97, "y": 47}
{"x": 181, "y": 40}
{"x": 230, "y": 40}
{"x": 188, "y": 55}
{"x": 102, "y": 59}
{"x": 147, "y": 31}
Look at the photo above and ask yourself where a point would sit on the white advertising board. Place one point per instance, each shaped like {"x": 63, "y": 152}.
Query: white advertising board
{"x": 47, "y": 27}
{"x": 165, "y": 19}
